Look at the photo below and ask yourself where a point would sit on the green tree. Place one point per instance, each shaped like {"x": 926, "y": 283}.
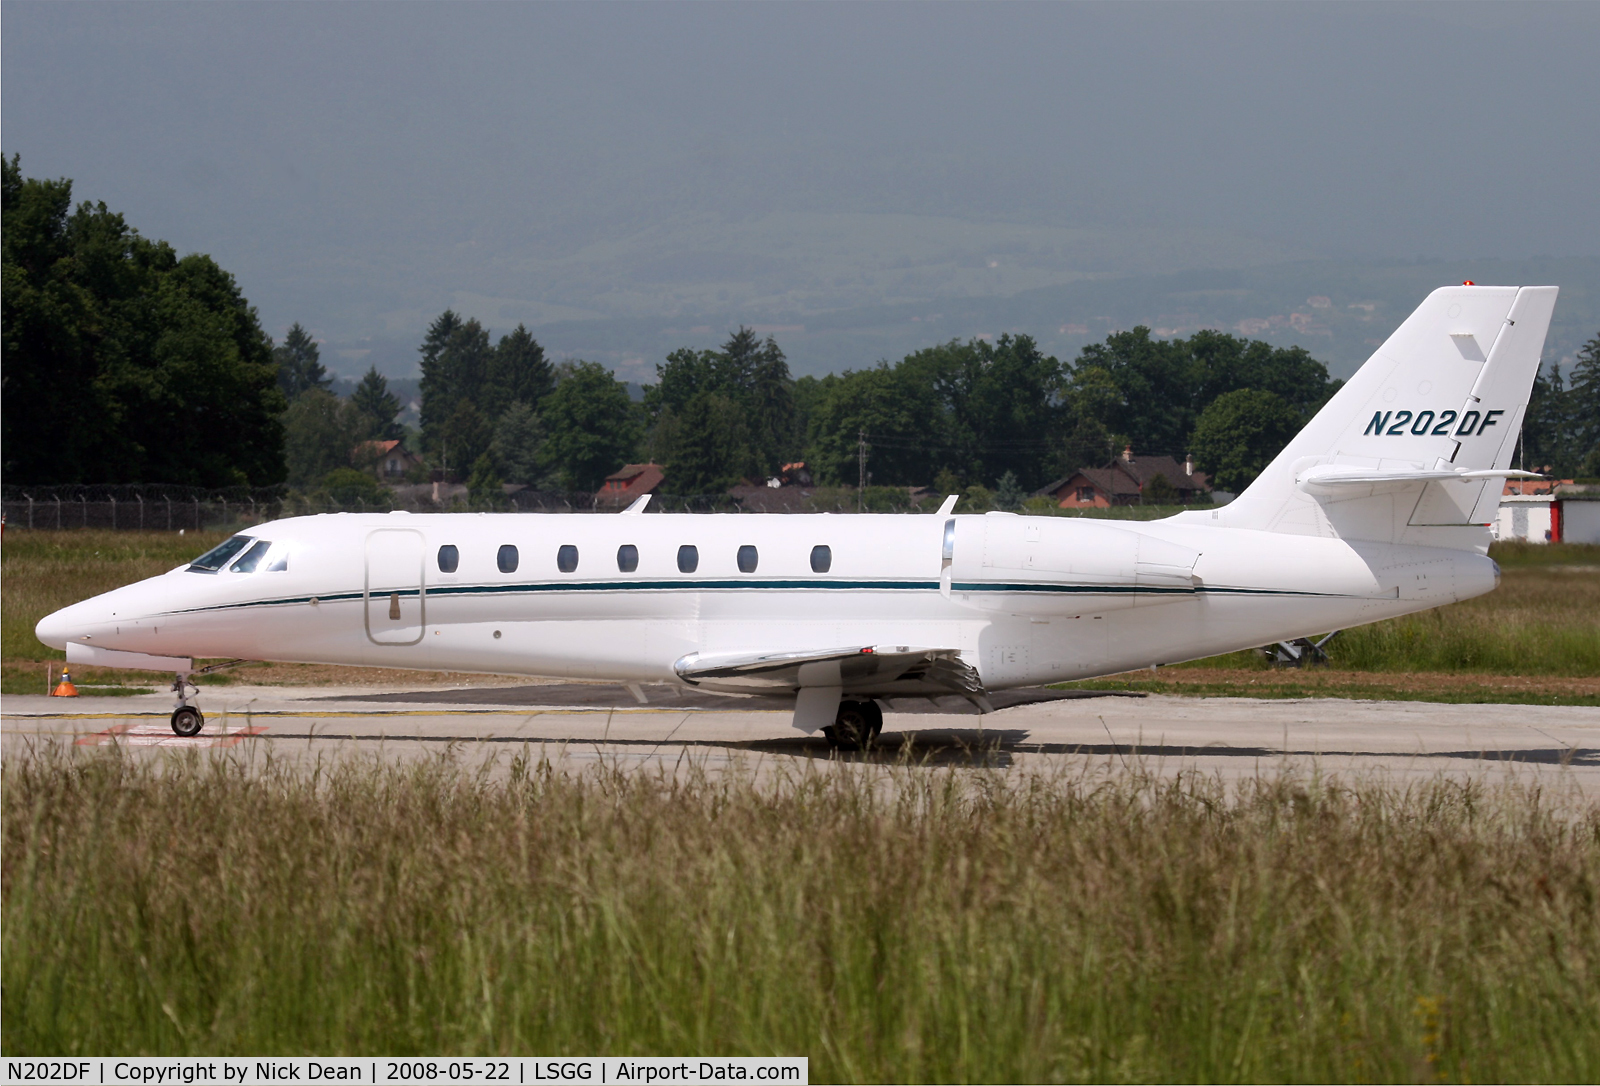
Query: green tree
{"x": 518, "y": 371}
{"x": 1156, "y": 383}
{"x": 901, "y": 414}
{"x": 1561, "y": 429}
{"x": 1585, "y": 410}
{"x": 484, "y": 490}
{"x": 378, "y": 406}
{"x": 1239, "y": 433}
{"x": 1002, "y": 407}
{"x": 592, "y": 424}
{"x": 976, "y": 499}
{"x": 299, "y": 363}
{"x": 747, "y": 380}
{"x": 706, "y": 445}
{"x": 456, "y": 358}
{"x": 467, "y": 383}
{"x": 1088, "y": 445}
{"x": 463, "y": 436}
{"x": 353, "y": 489}
{"x": 1224, "y": 363}
{"x": 1008, "y": 493}
{"x": 518, "y": 446}
{"x": 1158, "y": 490}
{"x": 124, "y": 362}
{"x": 321, "y": 433}
{"x": 1152, "y": 391}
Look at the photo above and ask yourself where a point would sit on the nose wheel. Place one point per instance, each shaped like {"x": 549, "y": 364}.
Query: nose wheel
{"x": 187, "y": 720}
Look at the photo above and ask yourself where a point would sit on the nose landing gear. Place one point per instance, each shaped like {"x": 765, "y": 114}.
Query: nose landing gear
{"x": 856, "y": 727}
{"x": 187, "y": 719}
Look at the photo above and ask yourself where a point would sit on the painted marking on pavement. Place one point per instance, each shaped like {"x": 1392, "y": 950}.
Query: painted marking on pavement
{"x": 145, "y": 735}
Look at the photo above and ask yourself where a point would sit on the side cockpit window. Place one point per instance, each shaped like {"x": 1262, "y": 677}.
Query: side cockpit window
{"x": 220, "y": 555}
{"x": 252, "y": 557}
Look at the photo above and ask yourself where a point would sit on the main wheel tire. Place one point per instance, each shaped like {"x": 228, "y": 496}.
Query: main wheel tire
{"x": 187, "y": 720}
{"x": 856, "y": 726}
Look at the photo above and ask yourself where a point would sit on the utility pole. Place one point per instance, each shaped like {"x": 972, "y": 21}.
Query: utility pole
{"x": 861, "y": 466}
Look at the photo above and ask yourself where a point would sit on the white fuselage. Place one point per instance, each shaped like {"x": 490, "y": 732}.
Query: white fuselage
{"x": 1025, "y": 600}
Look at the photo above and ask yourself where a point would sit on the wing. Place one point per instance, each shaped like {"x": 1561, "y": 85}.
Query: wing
{"x": 862, "y": 671}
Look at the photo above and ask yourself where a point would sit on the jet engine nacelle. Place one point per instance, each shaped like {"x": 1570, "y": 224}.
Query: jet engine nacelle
{"x": 1054, "y": 566}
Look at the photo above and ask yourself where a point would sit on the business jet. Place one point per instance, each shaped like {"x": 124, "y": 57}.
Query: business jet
{"x": 1379, "y": 507}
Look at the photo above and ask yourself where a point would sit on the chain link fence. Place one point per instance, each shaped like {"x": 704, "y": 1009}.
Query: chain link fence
{"x": 158, "y": 507}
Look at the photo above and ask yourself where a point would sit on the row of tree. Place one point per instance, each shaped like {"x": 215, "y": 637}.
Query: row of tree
{"x": 960, "y": 413}
{"x": 126, "y": 363}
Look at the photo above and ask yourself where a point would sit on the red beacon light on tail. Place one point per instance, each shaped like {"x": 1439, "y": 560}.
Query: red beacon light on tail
{"x": 1467, "y": 282}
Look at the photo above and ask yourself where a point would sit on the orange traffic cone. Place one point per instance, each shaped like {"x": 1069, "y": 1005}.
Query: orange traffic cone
{"x": 64, "y": 688}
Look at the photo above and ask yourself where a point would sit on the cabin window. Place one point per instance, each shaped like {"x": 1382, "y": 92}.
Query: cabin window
{"x": 218, "y": 556}
{"x": 627, "y": 558}
{"x": 688, "y": 558}
{"x": 821, "y": 558}
{"x": 252, "y": 557}
{"x": 567, "y": 558}
{"x": 748, "y": 559}
{"x": 449, "y": 558}
{"x": 507, "y": 558}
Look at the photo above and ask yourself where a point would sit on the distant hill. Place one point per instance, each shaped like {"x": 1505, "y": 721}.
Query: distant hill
{"x": 1340, "y": 311}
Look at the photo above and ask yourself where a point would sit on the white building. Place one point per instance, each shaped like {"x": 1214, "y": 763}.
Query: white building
{"x": 1563, "y": 513}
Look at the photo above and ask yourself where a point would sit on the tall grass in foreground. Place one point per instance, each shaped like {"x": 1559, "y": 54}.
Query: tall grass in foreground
{"x": 908, "y": 925}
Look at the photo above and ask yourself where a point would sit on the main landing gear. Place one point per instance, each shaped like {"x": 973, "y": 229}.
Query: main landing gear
{"x": 187, "y": 719}
{"x": 856, "y": 727}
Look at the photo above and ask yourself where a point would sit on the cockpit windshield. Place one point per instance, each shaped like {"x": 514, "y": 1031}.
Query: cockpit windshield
{"x": 218, "y": 556}
{"x": 252, "y": 557}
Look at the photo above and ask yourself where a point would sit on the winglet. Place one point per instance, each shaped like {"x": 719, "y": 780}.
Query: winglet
{"x": 949, "y": 504}
{"x": 638, "y": 505}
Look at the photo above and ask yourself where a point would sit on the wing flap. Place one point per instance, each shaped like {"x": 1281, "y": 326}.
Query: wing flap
{"x": 861, "y": 670}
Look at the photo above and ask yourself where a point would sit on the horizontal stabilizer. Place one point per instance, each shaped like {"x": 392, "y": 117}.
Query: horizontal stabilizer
{"x": 1330, "y": 477}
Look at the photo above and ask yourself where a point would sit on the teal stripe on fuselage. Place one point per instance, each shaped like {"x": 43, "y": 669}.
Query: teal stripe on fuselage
{"x": 984, "y": 588}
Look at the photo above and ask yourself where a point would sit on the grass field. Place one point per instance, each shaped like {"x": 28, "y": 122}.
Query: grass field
{"x": 1542, "y": 623}
{"x": 900, "y": 925}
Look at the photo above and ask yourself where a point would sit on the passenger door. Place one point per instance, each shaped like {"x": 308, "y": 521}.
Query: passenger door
{"x": 396, "y": 599}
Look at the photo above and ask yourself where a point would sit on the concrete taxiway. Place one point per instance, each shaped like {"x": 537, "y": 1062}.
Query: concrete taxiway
{"x": 577, "y": 724}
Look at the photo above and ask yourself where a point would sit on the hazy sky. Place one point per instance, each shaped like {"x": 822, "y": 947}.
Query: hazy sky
{"x": 362, "y": 166}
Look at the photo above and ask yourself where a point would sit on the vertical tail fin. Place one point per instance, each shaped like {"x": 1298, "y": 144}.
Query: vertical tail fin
{"x": 1387, "y": 459}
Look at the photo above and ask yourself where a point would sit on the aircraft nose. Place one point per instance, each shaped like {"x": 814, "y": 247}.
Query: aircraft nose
{"x": 70, "y": 622}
